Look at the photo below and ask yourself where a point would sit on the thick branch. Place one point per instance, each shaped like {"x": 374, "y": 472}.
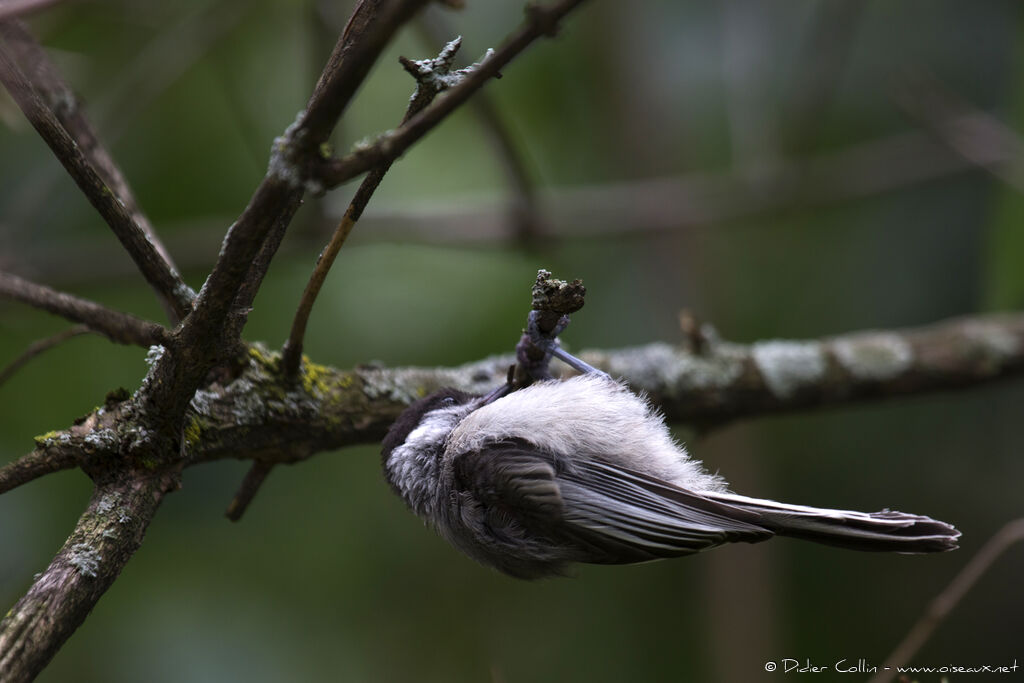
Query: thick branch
{"x": 541, "y": 21}
{"x": 260, "y": 415}
{"x": 207, "y": 334}
{"x": 105, "y": 538}
{"x": 119, "y": 327}
{"x": 52, "y": 109}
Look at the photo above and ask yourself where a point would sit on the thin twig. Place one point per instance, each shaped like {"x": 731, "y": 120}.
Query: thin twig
{"x": 950, "y": 597}
{"x": 541, "y": 21}
{"x": 76, "y": 146}
{"x": 36, "y": 464}
{"x": 254, "y": 478}
{"x": 40, "y": 346}
{"x": 526, "y": 221}
{"x": 967, "y": 130}
{"x": 119, "y": 327}
{"x": 432, "y": 77}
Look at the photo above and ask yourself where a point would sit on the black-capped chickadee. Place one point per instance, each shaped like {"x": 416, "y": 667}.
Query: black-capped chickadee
{"x": 584, "y": 470}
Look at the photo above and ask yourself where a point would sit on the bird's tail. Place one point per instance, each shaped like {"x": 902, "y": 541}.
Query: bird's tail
{"x": 887, "y": 530}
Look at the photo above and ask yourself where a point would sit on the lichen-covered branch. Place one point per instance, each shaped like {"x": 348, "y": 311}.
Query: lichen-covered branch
{"x": 38, "y": 463}
{"x": 259, "y": 416}
{"x": 119, "y": 327}
{"x": 105, "y": 537}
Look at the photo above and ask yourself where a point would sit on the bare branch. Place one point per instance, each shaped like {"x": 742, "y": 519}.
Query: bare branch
{"x": 119, "y": 327}
{"x": 965, "y": 129}
{"x": 38, "y": 463}
{"x": 541, "y": 21}
{"x": 939, "y": 609}
{"x": 40, "y": 346}
{"x": 254, "y": 478}
{"x": 432, "y": 76}
{"x": 526, "y": 221}
{"x": 52, "y": 109}
{"x": 104, "y": 539}
{"x": 671, "y": 203}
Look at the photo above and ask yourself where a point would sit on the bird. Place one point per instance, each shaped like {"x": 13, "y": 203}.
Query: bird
{"x": 535, "y": 480}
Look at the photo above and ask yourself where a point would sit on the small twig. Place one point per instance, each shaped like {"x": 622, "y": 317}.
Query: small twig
{"x": 40, "y": 346}
{"x": 943, "y": 604}
{"x": 965, "y": 129}
{"x": 432, "y": 77}
{"x": 541, "y": 21}
{"x": 119, "y": 327}
{"x": 254, "y": 478}
{"x": 38, "y": 463}
{"x": 552, "y": 303}
{"x": 76, "y": 146}
{"x": 526, "y": 219}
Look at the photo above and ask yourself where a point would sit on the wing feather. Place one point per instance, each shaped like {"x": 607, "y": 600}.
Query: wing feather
{"x": 609, "y": 513}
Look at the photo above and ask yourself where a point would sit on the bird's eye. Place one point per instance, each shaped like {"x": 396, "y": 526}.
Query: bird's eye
{"x": 447, "y": 401}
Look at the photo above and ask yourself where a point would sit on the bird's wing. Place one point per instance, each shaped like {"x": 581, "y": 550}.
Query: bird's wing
{"x": 611, "y": 513}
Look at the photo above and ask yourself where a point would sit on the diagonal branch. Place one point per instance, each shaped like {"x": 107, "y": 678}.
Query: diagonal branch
{"x": 1011, "y": 534}
{"x": 206, "y": 334}
{"x": 432, "y": 76}
{"x": 119, "y": 327}
{"x": 541, "y": 21}
{"x": 104, "y": 539}
{"x": 50, "y": 106}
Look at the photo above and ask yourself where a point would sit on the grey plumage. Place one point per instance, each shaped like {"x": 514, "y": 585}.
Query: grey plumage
{"x": 583, "y": 470}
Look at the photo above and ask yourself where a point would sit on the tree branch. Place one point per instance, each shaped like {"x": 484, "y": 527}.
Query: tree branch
{"x": 40, "y": 346}
{"x": 52, "y": 108}
{"x": 208, "y": 333}
{"x": 45, "y": 460}
{"x": 104, "y": 539}
{"x": 260, "y": 415}
{"x": 541, "y": 21}
{"x": 119, "y": 327}
{"x": 1011, "y": 534}
{"x": 432, "y": 76}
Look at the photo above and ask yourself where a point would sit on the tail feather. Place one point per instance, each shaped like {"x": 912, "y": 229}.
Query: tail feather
{"x": 887, "y": 530}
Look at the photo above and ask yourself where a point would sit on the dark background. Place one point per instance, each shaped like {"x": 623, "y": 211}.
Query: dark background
{"x": 328, "y": 577}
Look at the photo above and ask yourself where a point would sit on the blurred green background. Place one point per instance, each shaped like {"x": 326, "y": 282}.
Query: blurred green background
{"x": 782, "y": 168}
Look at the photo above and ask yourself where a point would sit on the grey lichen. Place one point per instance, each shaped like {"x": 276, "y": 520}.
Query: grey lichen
{"x": 85, "y": 559}
{"x": 787, "y": 366}
{"x": 101, "y": 440}
{"x": 997, "y": 343}
{"x": 874, "y": 356}
{"x": 666, "y": 369}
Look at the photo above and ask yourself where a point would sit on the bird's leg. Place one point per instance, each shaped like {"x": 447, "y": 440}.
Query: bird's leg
{"x": 549, "y": 344}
